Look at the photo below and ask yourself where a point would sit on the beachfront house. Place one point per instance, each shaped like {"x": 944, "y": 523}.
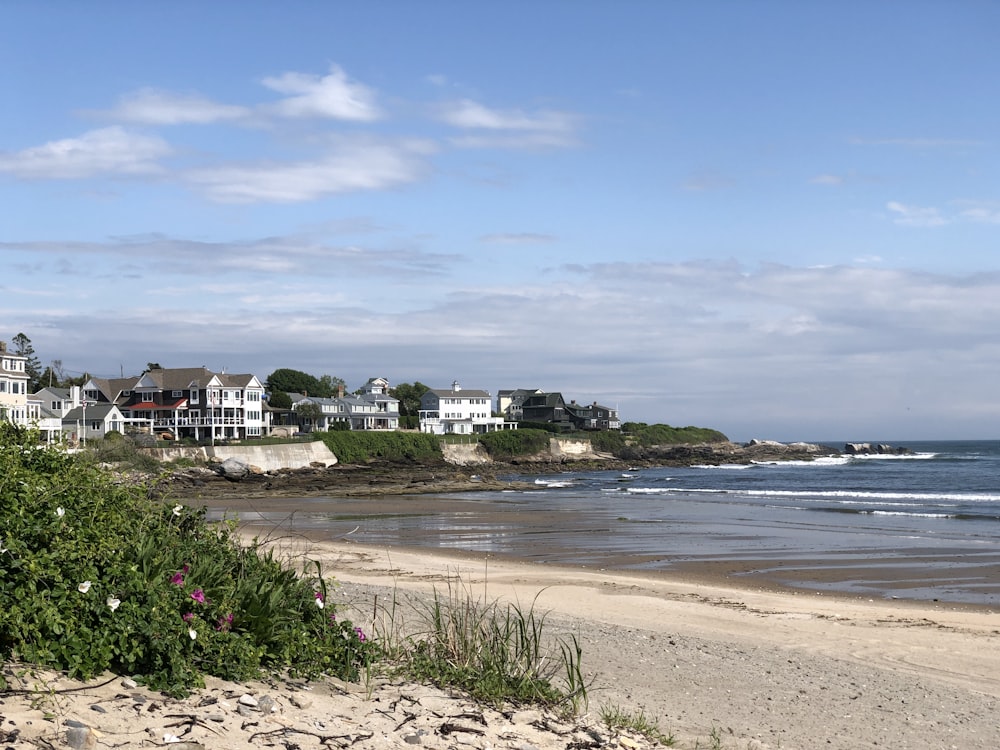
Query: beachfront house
{"x": 372, "y": 408}
{"x": 92, "y": 421}
{"x": 552, "y": 408}
{"x": 193, "y": 402}
{"x": 14, "y": 388}
{"x": 457, "y": 411}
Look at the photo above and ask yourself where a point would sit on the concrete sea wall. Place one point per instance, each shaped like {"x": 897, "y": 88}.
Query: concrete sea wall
{"x": 267, "y": 457}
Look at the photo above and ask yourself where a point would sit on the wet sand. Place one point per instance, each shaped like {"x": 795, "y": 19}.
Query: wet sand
{"x": 506, "y": 531}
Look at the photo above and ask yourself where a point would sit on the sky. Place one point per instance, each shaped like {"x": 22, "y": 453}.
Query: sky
{"x": 780, "y": 220}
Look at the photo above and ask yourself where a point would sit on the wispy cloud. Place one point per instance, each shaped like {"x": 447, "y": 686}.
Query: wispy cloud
{"x": 917, "y": 142}
{"x": 112, "y": 150}
{"x": 827, "y": 179}
{"x": 510, "y": 128}
{"x": 518, "y": 238}
{"x": 333, "y": 96}
{"x": 983, "y": 212}
{"x": 349, "y": 165}
{"x": 152, "y": 106}
{"x": 293, "y": 256}
{"x": 915, "y": 216}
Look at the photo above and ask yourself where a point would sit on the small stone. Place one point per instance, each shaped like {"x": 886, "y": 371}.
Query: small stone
{"x": 81, "y": 738}
{"x": 129, "y": 684}
{"x": 75, "y": 724}
{"x": 217, "y": 718}
{"x": 99, "y": 709}
{"x": 248, "y": 700}
{"x": 412, "y": 739}
{"x": 267, "y": 705}
{"x": 299, "y": 700}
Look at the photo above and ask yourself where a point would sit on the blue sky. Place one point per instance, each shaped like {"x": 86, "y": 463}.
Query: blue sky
{"x": 777, "y": 219}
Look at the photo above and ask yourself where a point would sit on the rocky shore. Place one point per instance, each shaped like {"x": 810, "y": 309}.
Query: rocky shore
{"x": 378, "y": 478}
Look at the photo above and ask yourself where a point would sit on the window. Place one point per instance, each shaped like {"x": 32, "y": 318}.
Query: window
{"x": 147, "y": 398}
{"x": 95, "y": 425}
{"x": 126, "y": 393}
{"x": 194, "y": 395}
{"x": 91, "y": 395}
{"x": 176, "y": 394}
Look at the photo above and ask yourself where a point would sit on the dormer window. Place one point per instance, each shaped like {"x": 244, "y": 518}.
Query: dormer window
{"x": 147, "y": 398}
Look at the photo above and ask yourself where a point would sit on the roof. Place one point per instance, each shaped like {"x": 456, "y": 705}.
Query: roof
{"x": 181, "y": 378}
{"x": 94, "y": 411}
{"x": 464, "y": 393}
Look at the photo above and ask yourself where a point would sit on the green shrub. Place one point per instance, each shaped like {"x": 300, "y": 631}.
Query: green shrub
{"x": 96, "y": 576}
{"x": 359, "y": 446}
{"x": 505, "y": 444}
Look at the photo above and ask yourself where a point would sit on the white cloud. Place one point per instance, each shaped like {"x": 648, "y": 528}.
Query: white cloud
{"x": 981, "y": 212}
{"x": 518, "y": 238}
{"x": 915, "y": 216}
{"x": 332, "y": 96}
{"x": 111, "y": 150}
{"x": 350, "y": 166}
{"x": 922, "y": 143}
{"x": 155, "y": 107}
{"x": 469, "y": 114}
{"x": 827, "y": 179}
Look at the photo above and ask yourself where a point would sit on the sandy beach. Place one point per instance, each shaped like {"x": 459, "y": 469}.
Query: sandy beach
{"x": 713, "y": 664}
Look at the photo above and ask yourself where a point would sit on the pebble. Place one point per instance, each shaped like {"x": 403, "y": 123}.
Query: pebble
{"x": 248, "y": 700}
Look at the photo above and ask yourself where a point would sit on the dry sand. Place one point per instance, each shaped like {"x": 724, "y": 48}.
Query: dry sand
{"x": 713, "y": 664}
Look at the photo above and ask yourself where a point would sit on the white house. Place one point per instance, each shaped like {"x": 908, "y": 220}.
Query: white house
{"x": 92, "y": 421}
{"x": 459, "y": 412}
{"x": 14, "y": 388}
{"x": 372, "y": 409}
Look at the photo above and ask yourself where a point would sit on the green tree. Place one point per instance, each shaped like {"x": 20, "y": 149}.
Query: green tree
{"x": 309, "y": 413}
{"x": 329, "y": 385}
{"x": 33, "y": 367}
{"x": 280, "y": 400}
{"x": 153, "y": 366}
{"x": 409, "y": 395}
{"x": 293, "y": 381}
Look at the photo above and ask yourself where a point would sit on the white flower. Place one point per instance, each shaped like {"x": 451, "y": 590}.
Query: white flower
{"x": 193, "y": 633}
{"x": 178, "y": 509}
{"x": 60, "y": 511}
{"x": 84, "y": 587}
{"x": 2, "y": 548}
{"x": 113, "y": 603}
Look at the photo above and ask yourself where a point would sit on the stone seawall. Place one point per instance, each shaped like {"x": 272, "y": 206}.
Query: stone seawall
{"x": 267, "y": 457}
{"x": 559, "y": 449}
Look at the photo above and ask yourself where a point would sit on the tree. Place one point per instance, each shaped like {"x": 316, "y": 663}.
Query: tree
{"x": 33, "y": 367}
{"x": 308, "y": 414}
{"x": 280, "y": 400}
{"x": 409, "y": 397}
{"x": 153, "y": 366}
{"x": 329, "y": 385}
{"x": 293, "y": 381}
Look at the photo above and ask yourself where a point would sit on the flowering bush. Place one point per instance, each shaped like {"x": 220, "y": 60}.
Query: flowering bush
{"x": 96, "y": 576}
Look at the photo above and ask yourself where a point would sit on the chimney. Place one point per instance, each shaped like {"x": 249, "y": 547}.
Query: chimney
{"x": 455, "y": 387}
{"x": 340, "y": 391}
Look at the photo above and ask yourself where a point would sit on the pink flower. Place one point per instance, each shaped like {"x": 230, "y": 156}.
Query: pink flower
{"x": 188, "y": 617}
{"x": 198, "y": 595}
{"x": 319, "y": 599}
{"x": 225, "y": 623}
{"x": 361, "y": 634}
{"x": 177, "y": 579}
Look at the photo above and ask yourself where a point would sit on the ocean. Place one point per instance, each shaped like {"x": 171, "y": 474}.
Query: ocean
{"x": 922, "y": 526}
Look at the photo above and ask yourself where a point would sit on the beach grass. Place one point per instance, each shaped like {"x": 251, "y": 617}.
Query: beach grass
{"x": 495, "y": 652}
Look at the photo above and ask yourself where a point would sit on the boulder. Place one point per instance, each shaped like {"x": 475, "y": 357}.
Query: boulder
{"x": 233, "y": 468}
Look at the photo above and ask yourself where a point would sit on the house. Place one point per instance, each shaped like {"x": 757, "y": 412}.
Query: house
{"x": 509, "y": 402}
{"x": 92, "y": 421}
{"x": 14, "y": 388}
{"x": 371, "y": 409}
{"x": 552, "y": 408}
{"x": 459, "y": 412}
{"x": 53, "y": 404}
{"x": 189, "y": 402}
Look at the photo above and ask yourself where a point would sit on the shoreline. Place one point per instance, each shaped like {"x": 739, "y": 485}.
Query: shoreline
{"x": 711, "y": 664}
{"x": 394, "y": 520}
{"x": 776, "y": 668}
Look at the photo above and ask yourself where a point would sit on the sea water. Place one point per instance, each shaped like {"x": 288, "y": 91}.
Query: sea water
{"x": 923, "y": 525}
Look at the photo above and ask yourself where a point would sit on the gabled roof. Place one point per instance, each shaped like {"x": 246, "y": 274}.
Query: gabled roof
{"x": 111, "y": 388}
{"x": 94, "y": 411}
{"x": 183, "y": 378}
{"x": 464, "y": 393}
